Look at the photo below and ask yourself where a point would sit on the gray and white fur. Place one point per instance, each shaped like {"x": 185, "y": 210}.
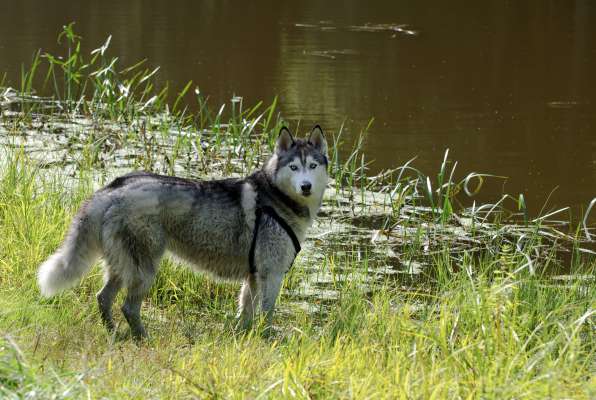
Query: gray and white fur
{"x": 136, "y": 218}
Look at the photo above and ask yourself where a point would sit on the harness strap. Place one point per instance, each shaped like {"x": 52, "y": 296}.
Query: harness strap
{"x": 282, "y": 222}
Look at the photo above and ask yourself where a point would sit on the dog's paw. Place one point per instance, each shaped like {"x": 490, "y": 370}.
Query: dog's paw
{"x": 242, "y": 325}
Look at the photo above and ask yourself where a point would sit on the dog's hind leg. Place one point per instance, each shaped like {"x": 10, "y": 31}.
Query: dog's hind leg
{"x": 106, "y": 297}
{"x": 133, "y": 255}
{"x": 141, "y": 275}
{"x": 137, "y": 291}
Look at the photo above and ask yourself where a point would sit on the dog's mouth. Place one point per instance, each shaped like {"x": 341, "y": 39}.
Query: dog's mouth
{"x": 306, "y": 193}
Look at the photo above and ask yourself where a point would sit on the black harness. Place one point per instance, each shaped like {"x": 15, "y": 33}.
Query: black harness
{"x": 282, "y": 222}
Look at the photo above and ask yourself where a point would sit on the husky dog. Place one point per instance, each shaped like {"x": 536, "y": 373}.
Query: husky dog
{"x": 240, "y": 229}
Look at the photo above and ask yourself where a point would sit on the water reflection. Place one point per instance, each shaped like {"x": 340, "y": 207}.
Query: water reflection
{"x": 507, "y": 86}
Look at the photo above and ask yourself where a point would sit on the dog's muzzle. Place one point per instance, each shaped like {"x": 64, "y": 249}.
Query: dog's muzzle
{"x": 306, "y": 187}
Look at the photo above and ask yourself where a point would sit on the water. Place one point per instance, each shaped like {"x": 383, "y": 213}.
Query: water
{"x": 363, "y": 237}
{"x": 507, "y": 86}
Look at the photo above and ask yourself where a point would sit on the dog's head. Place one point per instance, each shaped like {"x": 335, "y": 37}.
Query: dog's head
{"x": 298, "y": 167}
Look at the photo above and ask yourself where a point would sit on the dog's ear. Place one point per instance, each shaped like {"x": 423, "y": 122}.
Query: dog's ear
{"x": 284, "y": 141}
{"x": 317, "y": 139}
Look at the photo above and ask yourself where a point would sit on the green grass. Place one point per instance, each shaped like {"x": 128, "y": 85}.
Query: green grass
{"x": 481, "y": 332}
{"x": 487, "y": 317}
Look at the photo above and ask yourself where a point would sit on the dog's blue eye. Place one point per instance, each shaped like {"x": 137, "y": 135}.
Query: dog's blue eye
{"x": 313, "y": 166}
{"x": 293, "y": 168}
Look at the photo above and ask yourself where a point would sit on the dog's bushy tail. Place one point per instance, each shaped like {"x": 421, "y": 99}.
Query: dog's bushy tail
{"x": 65, "y": 268}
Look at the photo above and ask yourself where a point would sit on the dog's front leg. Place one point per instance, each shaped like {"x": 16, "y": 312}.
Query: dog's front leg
{"x": 247, "y": 302}
{"x": 270, "y": 287}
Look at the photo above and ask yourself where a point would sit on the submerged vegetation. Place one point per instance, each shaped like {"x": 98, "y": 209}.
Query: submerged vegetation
{"x": 402, "y": 290}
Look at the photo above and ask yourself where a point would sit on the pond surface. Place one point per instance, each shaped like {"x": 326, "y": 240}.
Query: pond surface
{"x": 509, "y": 87}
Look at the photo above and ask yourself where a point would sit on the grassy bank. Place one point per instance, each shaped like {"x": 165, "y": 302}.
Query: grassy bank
{"x": 477, "y": 334}
{"x": 400, "y": 292}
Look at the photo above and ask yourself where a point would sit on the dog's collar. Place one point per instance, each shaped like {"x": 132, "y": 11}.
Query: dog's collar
{"x": 282, "y": 222}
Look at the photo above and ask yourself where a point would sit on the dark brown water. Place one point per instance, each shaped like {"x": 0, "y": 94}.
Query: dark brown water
{"x": 509, "y": 87}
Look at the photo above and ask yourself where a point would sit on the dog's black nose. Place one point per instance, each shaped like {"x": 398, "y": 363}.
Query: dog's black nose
{"x": 306, "y": 186}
